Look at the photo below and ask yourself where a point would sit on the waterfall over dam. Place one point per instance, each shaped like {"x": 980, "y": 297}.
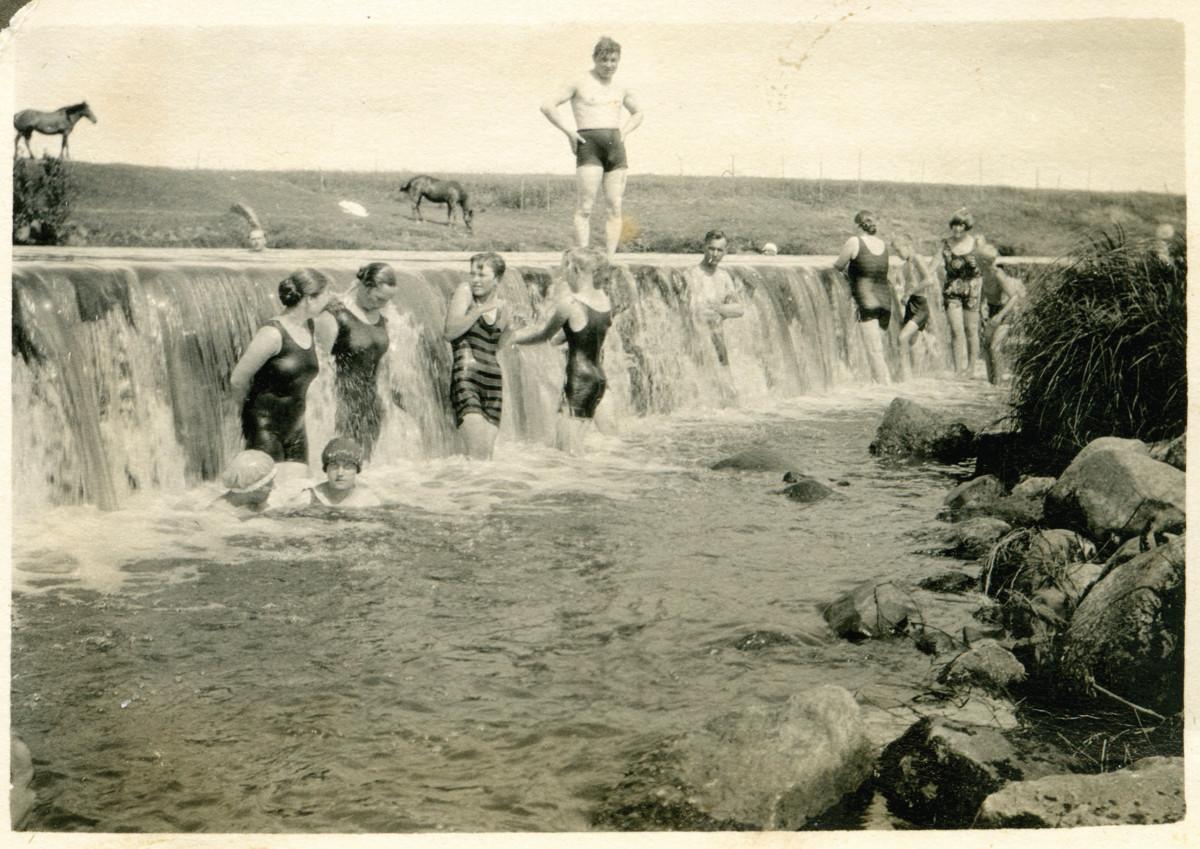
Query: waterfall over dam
{"x": 121, "y": 357}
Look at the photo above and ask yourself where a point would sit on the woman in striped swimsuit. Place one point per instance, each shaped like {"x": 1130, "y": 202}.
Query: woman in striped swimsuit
{"x": 475, "y": 320}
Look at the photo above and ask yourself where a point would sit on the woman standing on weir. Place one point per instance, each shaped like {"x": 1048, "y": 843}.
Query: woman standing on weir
{"x": 272, "y": 376}
{"x": 864, "y": 258}
{"x": 583, "y": 318}
{"x": 961, "y": 291}
{"x": 598, "y": 140}
{"x": 354, "y": 332}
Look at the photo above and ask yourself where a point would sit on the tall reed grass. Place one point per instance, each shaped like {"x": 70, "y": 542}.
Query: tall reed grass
{"x": 1103, "y": 346}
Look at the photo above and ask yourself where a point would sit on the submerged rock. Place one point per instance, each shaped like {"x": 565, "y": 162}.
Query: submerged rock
{"x": 1127, "y": 633}
{"x": 760, "y": 768}
{"x": 1114, "y": 490}
{"x": 948, "y": 582}
{"x": 910, "y": 430}
{"x": 872, "y": 610}
{"x": 939, "y": 772}
{"x": 759, "y": 459}
{"x": 1150, "y": 791}
{"x": 807, "y": 490}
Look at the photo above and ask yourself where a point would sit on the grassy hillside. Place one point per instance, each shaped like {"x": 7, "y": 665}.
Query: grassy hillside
{"x": 134, "y": 205}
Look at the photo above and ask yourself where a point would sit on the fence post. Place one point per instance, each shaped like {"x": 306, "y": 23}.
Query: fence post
{"x": 522, "y": 194}
{"x": 547, "y": 193}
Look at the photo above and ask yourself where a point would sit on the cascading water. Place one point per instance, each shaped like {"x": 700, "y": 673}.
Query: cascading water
{"x": 121, "y": 363}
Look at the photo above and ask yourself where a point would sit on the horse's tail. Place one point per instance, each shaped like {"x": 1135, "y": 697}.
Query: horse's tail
{"x": 247, "y": 213}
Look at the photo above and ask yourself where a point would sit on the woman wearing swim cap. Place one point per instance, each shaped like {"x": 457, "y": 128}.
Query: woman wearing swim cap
{"x": 353, "y": 330}
{"x": 272, "y": 377}
{"x": 864, "y": 258}
{"x": 598, "y": 140}
{"x": 961, "y": 290}
{"x": 342, "y": 461}
{"x": 248, "y": 480}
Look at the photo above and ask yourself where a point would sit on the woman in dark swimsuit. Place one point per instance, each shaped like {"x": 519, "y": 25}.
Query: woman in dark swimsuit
{"x": 354, "y": 331}
{"x": 961, "y": 290}
{"x": 583, "y": 318}
{"x": 864, "y": 258}
{"x": 272, "y": 376}
{"x": 475, "y": 321}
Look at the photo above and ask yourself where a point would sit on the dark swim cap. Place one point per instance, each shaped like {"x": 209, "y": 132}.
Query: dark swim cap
{"x": 342, "y": 449}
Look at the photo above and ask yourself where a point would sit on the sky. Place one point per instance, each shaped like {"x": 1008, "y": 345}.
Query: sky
{"x": 937, "y": 92}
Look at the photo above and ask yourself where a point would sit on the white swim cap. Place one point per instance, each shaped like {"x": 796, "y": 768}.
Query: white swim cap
{"x": 769, "y": 249}
{"x": 248, "y": 471}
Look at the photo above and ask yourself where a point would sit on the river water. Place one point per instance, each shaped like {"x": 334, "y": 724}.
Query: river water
{"x": 489, "y": 650}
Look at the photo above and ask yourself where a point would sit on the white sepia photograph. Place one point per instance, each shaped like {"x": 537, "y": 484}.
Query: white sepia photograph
{"x": 597, "y": 424}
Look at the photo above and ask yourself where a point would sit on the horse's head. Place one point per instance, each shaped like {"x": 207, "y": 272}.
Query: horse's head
{"x": 88, "y": 113}
{"x": 81, "y": 110}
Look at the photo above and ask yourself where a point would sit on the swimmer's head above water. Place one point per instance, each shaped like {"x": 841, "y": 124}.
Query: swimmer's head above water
{"x": 342, "y": 461}
{"x": 377, "y": 285}
{"x": 249, "y": 478}
{"x": 257, "y": 239}
{"x": 715, "y": 245}
{"x": 581, "y": 263}
{"x": 486, "y": 270}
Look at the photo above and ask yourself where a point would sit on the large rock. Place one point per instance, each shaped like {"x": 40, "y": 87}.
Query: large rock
{"x": 1173, "y": 452}
{"x": 806, "y": 490}
{"x": 985, "y": 664}
{"x": 939, "y": 772}
{"x": 910, "y": 430}
{"x": 973, "y": 538}
{"x": 1127, "y": 633}
{"x": 1113, "y": 443}
{"x": 975, "y": 493}
{"x": 1150, "y": 791}
{"x": 872, "y": 610}
{"x": 1034, "y": 487}
{"x": 1117, "y": 490}
{"x": 760, "y": 768}
{"x": 758, "y": 459}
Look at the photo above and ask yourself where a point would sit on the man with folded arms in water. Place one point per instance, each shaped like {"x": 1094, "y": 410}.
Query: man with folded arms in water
{"x": 712, "y": 292}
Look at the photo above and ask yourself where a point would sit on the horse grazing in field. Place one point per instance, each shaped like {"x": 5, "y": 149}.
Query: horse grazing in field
{"x": 59, "y": 122}
{"x": 449, "y": 192}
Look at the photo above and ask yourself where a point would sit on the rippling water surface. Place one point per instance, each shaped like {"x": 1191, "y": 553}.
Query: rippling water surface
{"x": 485, "y": 654}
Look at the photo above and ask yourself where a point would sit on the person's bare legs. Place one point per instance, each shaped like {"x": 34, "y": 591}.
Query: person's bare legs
{"x": 614, "y": 191}
{"x": 480, "y": 436}
{"x": 587, "y": 183}
{"x": 994, "y": 354}
{"x": 954, "y": 314}
{"x": 971, "y": 331}
{"x": 907, "y": 332}
{"x": 873, "y": 337}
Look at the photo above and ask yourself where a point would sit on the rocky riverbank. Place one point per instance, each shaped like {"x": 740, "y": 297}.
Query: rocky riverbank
{"x": 1061, "y": 631}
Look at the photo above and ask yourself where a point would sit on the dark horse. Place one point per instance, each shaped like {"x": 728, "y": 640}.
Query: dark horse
{"x": 449, "y": 192}
{"x": 59, "y": 122}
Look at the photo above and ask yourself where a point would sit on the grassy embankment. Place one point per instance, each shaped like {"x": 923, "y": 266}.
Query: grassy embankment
{"x": 135, "y": 205}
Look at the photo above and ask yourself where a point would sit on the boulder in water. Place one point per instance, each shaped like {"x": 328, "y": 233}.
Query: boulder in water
{"x": 1127, "y": 633}
{"x": 872, "y": 610}
{"x": 1150, "y": 791}
{"x": 759, "y": 459}
{"x": 759, "y": 768}
{"x": 940, "y": 771}
{"x": 974, "y": 494}
{"x": 910, "y": 430}
{"x": 806, "y": 490}
{"x": 972, "y": 538}
{"x": 1114, "y": 490}
{"x": 985, "y": 664}
{"x": 948, "y": 582}
{"x": 1034, "y": 487}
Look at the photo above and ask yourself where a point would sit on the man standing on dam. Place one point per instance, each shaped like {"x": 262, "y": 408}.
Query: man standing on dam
{"x": 712, "y": 293}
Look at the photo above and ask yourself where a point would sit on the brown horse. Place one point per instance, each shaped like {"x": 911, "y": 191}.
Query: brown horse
{"x": 59, "y": 122}
{"x": 449, "y": 192}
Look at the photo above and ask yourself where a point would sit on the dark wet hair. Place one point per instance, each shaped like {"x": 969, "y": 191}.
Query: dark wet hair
{"x": 861, "y": 216}
{"x": 342, "y": 449}
{"x": 605, "y": 46}
{"x": 713, "y": 235}
{"x": 492, "y": 260}
{"x": 300, "y": 284}
{"x": 961, "y": 216}
{"x": 376, "y": 274}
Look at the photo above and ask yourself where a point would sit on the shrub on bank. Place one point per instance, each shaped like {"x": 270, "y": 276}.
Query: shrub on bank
{"x": 1103, "y": 346}
{"x": 43, "y": 195}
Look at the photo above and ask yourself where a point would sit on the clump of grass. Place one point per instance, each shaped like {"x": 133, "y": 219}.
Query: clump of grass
{"x": 1103, "y": 346}
{"x": 44, "y": 193}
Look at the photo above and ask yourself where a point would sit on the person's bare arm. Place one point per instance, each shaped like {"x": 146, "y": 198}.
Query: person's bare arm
{"x": 849, "y": 252}
{"x": 265, "y": 344}
{"x": 550, "y": 110}
{"x": 635, "y": 114}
